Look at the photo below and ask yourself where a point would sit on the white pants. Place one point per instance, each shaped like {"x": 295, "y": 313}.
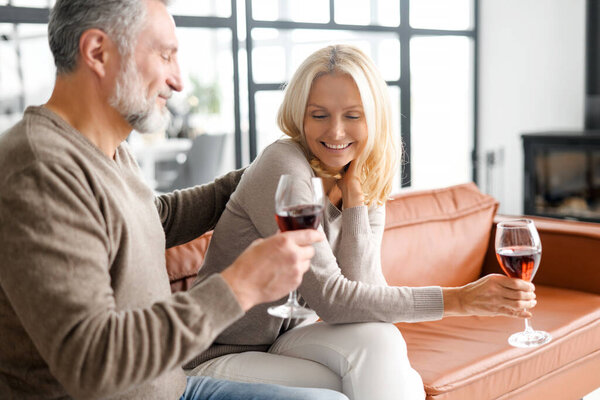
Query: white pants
{"x": 363, "y": 361}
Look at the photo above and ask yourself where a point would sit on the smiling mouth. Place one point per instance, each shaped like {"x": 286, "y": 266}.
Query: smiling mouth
{"x": 336, "y": 146}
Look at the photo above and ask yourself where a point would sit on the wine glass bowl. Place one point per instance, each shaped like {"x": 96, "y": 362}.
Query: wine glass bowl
{"x": 519, "y": 252}
{"x": 298, "y": 205}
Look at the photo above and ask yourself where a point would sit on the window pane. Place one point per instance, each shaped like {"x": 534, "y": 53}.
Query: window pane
{"x": 265, "y": 62}
{"x": 298, "y": 11}
{"x": 267, "y": 105}
{"x": 367, "y": 12}
{"x": 441, "y": 14}
{"x": 275, "y": 59}
{"x": 26, "y": 71}
{"x": 205, "y": 8}
{"x": 265, "y": 10}
{"x": 206, "y": 66}
{"x": 30, "y": 3}
{"x": 442, "y": 110}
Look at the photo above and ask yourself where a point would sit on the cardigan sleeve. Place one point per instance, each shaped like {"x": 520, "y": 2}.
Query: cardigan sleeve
{"x": 324, "y": 287}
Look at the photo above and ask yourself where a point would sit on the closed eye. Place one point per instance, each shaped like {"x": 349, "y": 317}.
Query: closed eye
{"x": 319, "y": 116}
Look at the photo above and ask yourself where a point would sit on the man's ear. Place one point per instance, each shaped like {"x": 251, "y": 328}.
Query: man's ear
{"x": 96, "y": 50}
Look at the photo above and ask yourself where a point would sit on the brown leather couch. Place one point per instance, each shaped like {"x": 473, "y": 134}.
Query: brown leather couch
{"x": 446, "y": 237}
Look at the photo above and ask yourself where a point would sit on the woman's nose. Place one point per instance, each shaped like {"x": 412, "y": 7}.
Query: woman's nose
{"x": 337, "y": 128}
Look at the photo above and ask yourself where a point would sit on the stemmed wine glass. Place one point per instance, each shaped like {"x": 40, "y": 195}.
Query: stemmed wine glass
{"x": 298, "y": 205}
{"x": 519, "y": 251}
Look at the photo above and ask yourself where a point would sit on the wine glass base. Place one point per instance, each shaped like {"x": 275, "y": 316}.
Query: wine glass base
{"x": 291, "y": 311}
{"x": 529, "y": 338}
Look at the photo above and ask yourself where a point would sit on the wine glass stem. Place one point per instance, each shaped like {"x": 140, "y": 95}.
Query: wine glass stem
{"x": 292, "y": 298}
{"x": 528, "y": 327}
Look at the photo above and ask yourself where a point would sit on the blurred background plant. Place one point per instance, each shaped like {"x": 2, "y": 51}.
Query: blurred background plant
{"x": 193, "y": 110}
{"x": 204, "y": 98}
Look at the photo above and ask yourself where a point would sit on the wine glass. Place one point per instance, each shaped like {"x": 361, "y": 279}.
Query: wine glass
{"x": 298, "y": 205}
{"x": 519, "y": 251}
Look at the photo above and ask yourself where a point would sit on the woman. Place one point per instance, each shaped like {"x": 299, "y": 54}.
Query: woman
{"x": 337, "y": 114}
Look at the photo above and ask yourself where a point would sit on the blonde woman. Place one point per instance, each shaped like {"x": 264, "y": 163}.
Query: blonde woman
{"x": 336, "y": 114}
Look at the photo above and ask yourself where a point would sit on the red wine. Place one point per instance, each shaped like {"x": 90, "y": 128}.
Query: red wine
{"x": 519, "y": 261}
{"x": 307, "y": 216}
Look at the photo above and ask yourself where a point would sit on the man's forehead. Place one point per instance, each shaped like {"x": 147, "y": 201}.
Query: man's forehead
{"x": 159, "y": 27}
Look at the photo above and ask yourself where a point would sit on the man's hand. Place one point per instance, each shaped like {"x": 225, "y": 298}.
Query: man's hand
{"x": 270, "y": 268}
{"x": 493, "y": 294}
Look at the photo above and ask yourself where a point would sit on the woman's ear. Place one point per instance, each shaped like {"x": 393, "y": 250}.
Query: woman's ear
{"x": 95, "y": 51}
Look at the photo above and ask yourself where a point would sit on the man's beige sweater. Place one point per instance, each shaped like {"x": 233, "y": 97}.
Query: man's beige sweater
{"x": 85, "y": 305}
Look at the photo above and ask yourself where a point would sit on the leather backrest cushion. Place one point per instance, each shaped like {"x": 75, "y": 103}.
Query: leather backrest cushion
{"x": 184, "y": 261}
{"x": 437, "y": 237}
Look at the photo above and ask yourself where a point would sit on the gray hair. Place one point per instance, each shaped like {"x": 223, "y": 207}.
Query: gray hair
{"x": 121, "y": 20}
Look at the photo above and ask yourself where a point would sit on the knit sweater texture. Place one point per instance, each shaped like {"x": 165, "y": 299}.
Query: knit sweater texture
{"x": 345, "y": 282}
{"x": 85, "y": 304}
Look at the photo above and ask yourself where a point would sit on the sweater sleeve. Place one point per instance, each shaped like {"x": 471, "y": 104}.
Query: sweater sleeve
{"x": 188, "y": 213}
{"x": 324, "y": 287}
{"x": 56, "y": 274}
{"x": 359, "y": 250}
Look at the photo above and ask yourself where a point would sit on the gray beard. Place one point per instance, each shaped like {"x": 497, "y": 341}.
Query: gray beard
{"x": 138, "y": 110}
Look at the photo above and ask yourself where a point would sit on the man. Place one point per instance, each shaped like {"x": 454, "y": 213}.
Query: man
{"x": 85, "y": 305}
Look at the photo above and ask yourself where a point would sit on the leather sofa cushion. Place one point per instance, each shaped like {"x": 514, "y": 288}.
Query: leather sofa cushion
{"x": 437, "y": 237}
{"x": 459, "y": 362}
{"x": 184, "y": 262}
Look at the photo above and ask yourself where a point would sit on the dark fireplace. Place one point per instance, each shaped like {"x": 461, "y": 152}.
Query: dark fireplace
{"x": 562, "y": 169}
{"x": 562, "y": 175}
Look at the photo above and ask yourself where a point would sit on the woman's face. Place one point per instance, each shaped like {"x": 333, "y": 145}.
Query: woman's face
{"x": 334, "y": 122}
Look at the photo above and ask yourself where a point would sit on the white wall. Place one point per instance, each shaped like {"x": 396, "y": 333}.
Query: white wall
{"x": 532, "y": 77}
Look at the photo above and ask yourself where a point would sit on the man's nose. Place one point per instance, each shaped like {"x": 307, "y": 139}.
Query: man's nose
{"x": 174, "y": 79}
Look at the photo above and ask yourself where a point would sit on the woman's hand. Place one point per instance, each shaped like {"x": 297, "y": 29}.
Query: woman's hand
{"x": 491, "y": 295}
{"x": 351, "y": 188}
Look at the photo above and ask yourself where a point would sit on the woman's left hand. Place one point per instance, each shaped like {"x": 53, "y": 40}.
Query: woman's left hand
{"x": 351, "y": 188}
{"x": 491, "y": 295}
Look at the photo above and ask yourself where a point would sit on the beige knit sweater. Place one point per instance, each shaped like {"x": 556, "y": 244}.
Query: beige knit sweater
{"x": 85, "y": 305}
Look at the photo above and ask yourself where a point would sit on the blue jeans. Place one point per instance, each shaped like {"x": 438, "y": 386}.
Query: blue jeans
{"x": 206, "y": 388}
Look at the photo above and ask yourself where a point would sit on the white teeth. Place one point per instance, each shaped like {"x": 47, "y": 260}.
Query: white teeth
{"x": 336, "y": 146}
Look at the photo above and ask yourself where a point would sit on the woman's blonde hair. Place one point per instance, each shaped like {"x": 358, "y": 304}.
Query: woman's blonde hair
{"x": 377, "y": 164}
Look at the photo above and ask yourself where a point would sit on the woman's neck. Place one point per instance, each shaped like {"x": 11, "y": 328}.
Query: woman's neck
{"x": 333, "y": 191}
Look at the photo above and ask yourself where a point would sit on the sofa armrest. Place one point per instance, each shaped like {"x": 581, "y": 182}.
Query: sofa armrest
{"x": 570, "y": 254}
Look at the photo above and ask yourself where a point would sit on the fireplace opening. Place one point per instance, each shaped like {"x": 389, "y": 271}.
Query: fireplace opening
{"x": 562, "y": 175}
